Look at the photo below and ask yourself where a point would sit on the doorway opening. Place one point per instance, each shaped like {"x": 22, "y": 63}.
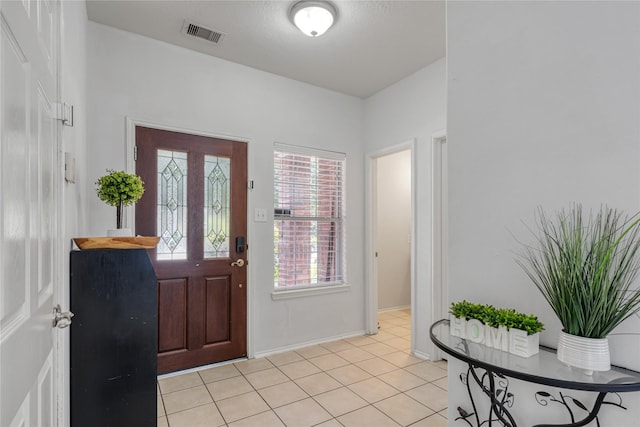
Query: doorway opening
{"x": 391, "y": 243}
{"x": 429, "y": 303}
{"x": 393, "y": 230}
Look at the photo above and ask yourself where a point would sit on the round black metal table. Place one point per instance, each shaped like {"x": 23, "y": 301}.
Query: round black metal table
{"x": 487, "y": 366}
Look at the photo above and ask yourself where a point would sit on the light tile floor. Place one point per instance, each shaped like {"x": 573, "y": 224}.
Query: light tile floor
{"x": 365, "y": 381}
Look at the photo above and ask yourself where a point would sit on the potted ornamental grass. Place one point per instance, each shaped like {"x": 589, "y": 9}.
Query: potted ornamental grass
{"x": 119, "y": 189}
{"x": 585, "y": 267}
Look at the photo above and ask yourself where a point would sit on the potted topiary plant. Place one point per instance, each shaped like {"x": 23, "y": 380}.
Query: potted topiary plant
{"x": 119, "y": 189}
{"x": 585, "y": 268}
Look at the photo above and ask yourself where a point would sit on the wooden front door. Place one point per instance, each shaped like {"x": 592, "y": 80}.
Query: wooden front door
{"x": 196, "y": 200}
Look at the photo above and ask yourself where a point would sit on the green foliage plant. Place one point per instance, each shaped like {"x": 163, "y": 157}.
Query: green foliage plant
{"x": 495, "y": 317}
{"x": 585, "y": 268}
{"x": 119, "y": 189}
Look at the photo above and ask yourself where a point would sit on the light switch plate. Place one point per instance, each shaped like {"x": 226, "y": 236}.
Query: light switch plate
{"x": 260, "y": 215}
{"x": 69, "y": 168}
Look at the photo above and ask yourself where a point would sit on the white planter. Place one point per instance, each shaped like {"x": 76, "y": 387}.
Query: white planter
{"x": 514, "y": 341}
{"x": 119, "y": 232}
{"x": 523, "y": 345}
{"x": 590, "y": 354}
{"x": 457, "y": 326}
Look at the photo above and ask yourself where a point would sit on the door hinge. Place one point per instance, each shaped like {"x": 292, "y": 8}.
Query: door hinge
{"x": 64, "y": 113}
{"x": 135, "y": 152}
{"x": 250, "y": 185}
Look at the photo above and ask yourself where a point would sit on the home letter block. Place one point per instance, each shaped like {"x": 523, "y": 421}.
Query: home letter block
{"x": 497, "y": 338}
{"x": 522, "y": 344}
{"x": 475, "y": 330}
{"x": 457, "y": 327}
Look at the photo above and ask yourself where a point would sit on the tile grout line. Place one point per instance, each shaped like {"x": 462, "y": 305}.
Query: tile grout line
{"x": 213, "y": 400}
{"x": 332, "y": 348}
{"x": 254, "y": 390}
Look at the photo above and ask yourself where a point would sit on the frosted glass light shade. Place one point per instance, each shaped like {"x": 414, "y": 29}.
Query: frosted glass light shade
{"x": 313, "y": 18}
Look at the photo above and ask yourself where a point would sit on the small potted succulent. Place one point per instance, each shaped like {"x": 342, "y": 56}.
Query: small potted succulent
{"x": 119, "y": 189}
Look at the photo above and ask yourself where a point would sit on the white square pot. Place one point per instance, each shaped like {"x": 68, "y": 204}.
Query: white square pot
{"x": 523, "y": 345}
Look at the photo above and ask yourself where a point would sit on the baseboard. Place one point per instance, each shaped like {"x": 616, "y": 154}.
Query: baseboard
{"x": 421, "y": 355}
{"x": 200, "y": 368}
{"x": 297, "y": 346}
{"x": 266, "y": 353}
{"x": 402, "y": 307}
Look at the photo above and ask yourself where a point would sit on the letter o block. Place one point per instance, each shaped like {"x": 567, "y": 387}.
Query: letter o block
{"x": 475, "y": 331}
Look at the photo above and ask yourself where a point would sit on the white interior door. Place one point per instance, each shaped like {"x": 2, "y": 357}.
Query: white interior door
{"x": 28, "y": 213}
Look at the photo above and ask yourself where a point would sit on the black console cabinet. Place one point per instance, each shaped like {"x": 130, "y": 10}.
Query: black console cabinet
{"x": 113, "y": 338}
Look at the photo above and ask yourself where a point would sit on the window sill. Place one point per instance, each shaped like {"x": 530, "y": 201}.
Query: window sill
{"x": 310, "y": 291}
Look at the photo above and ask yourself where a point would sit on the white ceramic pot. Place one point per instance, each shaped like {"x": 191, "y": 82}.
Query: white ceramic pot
{"x": 590, "y": 354}
{"x": 119, "y": 232}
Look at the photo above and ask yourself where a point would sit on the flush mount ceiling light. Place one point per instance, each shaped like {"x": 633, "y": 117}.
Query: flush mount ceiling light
{"x": 313, "y": 17}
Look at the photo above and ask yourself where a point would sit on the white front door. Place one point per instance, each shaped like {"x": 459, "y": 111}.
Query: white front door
{"x": 29, "y": 171}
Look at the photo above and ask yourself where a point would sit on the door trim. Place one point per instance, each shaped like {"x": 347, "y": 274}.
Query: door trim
{"x": 439, "y": 231}
{"x": 129, "y": 214}
{"x": 371, "y": 271}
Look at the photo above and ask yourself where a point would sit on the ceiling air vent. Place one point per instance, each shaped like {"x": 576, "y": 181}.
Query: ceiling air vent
{"x": 199, "y": 31}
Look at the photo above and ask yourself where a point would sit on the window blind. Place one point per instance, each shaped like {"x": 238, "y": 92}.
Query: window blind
{"x": 309, "y": 219}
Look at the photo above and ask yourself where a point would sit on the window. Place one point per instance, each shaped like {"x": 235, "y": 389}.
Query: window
{"x": 309, "y": 217}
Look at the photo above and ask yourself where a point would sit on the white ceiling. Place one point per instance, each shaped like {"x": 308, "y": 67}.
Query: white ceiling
{"x": 372, "y": 45}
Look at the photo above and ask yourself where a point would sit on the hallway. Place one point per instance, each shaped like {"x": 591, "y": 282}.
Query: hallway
{"x": 356, "y": 382}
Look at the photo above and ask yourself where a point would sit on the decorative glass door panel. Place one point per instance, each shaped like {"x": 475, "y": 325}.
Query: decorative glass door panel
{"x": 172, "y": 205}
{"x": 217, "y": 208}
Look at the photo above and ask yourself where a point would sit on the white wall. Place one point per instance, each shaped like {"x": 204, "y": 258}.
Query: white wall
{"x": 132, "y": 76}
{"x": 413, "y": 108}
{"x": 543, "y": 110}
{"x": 393, "y": 229}
{"x": 73, "y": 73}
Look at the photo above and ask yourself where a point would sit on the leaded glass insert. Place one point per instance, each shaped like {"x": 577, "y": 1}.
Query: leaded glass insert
{"x": 216, "y": 206}
{"x": 172, "y": 205}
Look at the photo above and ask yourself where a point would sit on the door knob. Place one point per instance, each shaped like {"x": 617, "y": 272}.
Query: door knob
{"x": 61, "y": 320}
{"x": 238, "y": 263}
